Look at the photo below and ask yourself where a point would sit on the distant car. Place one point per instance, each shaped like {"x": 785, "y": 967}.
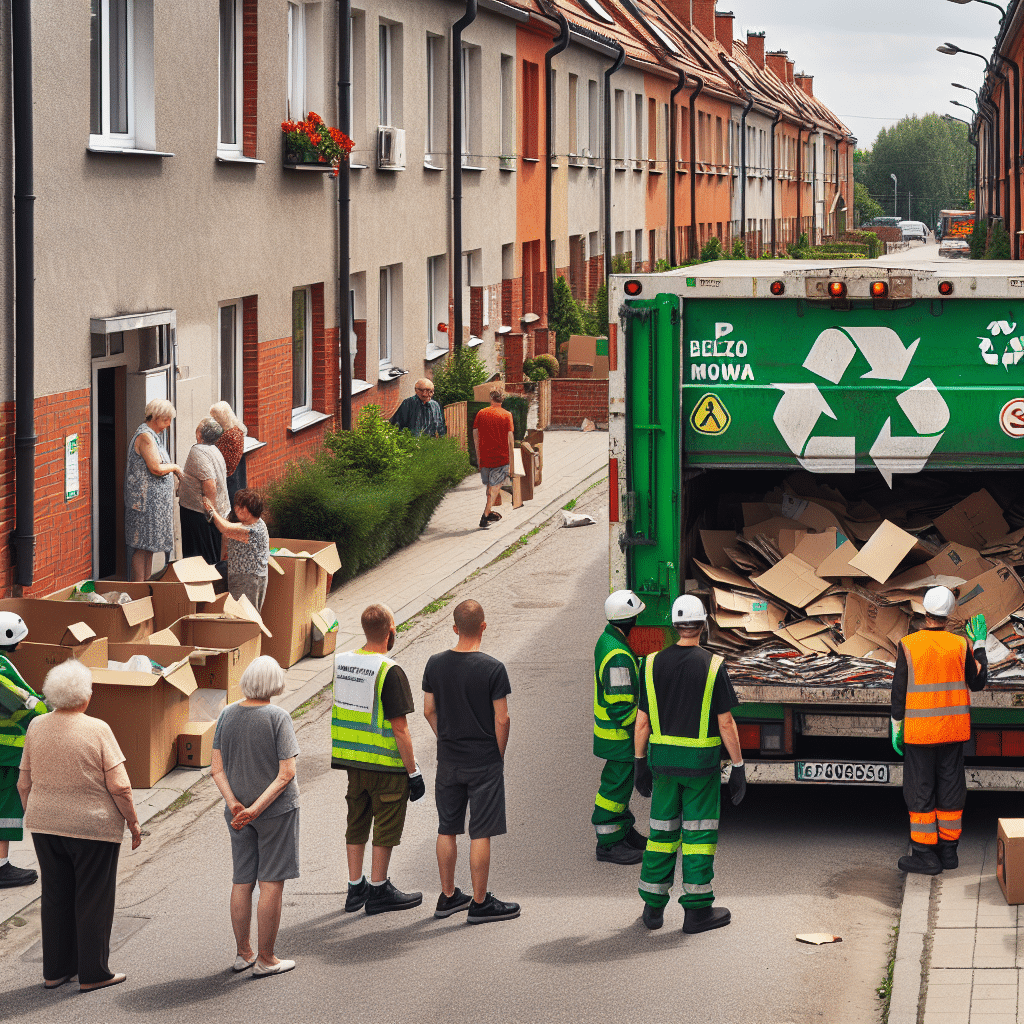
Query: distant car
{"x": 882, "y": 222}
{"x": 913, "y": 231}
{"x": 955, "y": 248}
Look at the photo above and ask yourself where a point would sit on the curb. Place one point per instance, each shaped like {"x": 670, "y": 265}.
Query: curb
{"x": 909, "y": 964}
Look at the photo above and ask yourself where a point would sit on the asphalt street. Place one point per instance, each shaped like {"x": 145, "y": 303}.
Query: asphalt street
{"x": 790, "y": 860}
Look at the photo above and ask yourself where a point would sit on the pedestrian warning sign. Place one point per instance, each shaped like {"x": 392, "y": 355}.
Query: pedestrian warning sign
{"x": 710, "y": 416}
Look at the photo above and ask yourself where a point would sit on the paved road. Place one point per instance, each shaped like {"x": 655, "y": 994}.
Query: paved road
{"x": 790, "y": 860}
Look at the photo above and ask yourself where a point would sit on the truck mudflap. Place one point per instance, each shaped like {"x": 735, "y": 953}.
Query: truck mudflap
{"x": 851, "y": 773}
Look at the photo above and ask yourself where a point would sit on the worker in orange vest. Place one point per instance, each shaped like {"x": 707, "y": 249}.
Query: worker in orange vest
{"x": 931, "y": 713}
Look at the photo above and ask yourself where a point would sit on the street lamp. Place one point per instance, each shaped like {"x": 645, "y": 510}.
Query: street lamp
{"x": 987, "y": 3}
{"x": 950, "y": 49}
{"x": 966, "y": 88}
{"x": 894, "y": 183}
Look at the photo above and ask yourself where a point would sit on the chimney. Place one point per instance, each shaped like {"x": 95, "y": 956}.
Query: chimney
{"x": 755, "y": 48}
{"x": 806, "y": 82}
{"x": 704, "y": 17}
{"x": 723, "y": 30}
{"x": 790, "y": 64}
{"x": 680, "y": 10}
{"x": 777, "y": 64}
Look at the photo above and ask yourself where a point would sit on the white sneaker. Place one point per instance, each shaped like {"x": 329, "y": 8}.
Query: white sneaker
{"x": 281, "y": 967}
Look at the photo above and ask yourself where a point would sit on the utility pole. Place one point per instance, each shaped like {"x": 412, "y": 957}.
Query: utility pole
{"x": 895, "y": 212}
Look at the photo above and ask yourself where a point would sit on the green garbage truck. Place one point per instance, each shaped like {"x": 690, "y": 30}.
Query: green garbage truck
{"x": 809, "y": 446}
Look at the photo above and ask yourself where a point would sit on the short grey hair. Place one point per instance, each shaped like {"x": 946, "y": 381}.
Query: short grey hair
{"x": 158, "y": 408}
{"x": 263, "y": 679}
{"x": 209, "y": 430}
{"x": 224, "y": 415}
{"x": 67, "y": 685}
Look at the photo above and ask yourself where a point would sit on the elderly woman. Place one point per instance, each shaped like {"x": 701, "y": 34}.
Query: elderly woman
{"x": 248, "y": 546}
{"x": 232, "y": 446}
{"x": 254, "y": 751}
{"x": 77, "y": 800}
{"x": 149, "y": 491}
{"x": 205, "y": 476}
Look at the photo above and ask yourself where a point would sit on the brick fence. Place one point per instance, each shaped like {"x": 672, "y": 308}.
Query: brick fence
{"x": 573, "y": 400}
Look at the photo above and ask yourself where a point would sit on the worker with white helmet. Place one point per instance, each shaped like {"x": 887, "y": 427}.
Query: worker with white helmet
{"x": 615, "y": 694}
{"x": 19, "y": 703}
{"x": 685, "y": 717}
{"x": 931, "y": 714}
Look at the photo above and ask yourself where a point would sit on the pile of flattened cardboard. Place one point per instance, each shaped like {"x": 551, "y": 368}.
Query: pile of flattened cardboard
{"x": 814, "y": 574}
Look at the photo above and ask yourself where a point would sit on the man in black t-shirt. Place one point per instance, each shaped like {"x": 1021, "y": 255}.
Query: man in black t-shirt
{"x": 465, "y": 702}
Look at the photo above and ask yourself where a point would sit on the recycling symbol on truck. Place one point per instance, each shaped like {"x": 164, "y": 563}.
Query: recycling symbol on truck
{"x": 801, "y": 405}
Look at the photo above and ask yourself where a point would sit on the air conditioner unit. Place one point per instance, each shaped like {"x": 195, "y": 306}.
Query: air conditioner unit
{"x": 390, "y": 148}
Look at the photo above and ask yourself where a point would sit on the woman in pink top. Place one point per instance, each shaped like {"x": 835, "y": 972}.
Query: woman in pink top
{"x": 77, "y": 800}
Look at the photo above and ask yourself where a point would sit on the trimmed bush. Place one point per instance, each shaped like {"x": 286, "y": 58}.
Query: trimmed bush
{"x": 875, "y": 245}
{"x": 368, "y": 515}
{"x": 456, "y": 377}
{"x": 549, "y": 362}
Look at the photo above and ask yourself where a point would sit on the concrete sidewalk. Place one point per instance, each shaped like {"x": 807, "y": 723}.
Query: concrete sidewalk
{"x": 960, "y": 952}
{"x": 451, "y": 548}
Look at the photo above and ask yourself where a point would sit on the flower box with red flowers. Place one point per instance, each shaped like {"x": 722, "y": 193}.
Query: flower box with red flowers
{"x": 311, "y": 145}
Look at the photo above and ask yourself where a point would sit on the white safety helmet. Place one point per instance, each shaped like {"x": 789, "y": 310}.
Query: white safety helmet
{"x": 688, "y": 611}
{"x": 622, "y": 605}
{"x": 939, "y": 602}
{"x": 12, "y": 629}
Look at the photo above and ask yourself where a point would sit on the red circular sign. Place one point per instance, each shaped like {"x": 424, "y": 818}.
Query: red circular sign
{"x": 1011, "y": 418}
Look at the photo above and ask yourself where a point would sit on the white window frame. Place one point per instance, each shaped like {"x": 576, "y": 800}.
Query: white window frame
{"x": 574, "y": 114}
{"x": 437, "y": 305}
{"x": 307, "y": 353}
{"x": 593, "y": 119}
{"x": 466, "y": 112}
{"x": 508, "y": 107}
{"x": 385, "y": 318}
{"x": 107, "y": 139}
{"x": 234, "y": 147}
{"x": 436, "y": 134}
{"x": 297, "y": 61}
{"x": 235, "y": 397}
{"x": 385, "y": 79}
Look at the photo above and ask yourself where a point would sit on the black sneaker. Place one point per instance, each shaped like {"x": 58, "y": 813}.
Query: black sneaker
{"x": 484, "y": 524}
{"x": 634, "y": 839}
{"x": 703, "y": 919}
{"x": 448, "y": 905}
{"x": 493, "y": 517}
{"x": 356, "y": 896}
{"x": 492, "y": 909}
{"x": 654, "y": 917}
{"x": 11, "y": 877}
{"x": 620, "y": 853}
{"x": 382, "y": 898}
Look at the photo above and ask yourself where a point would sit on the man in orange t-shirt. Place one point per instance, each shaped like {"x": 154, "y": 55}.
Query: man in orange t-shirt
{"x": 492, "y": 439}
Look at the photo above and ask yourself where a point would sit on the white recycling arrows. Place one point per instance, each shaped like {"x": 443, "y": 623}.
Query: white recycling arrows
{"x": 1013, "y": 350}
{"x": 802, "y": 405}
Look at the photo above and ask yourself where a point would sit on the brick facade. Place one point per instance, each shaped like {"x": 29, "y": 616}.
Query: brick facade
{"x": 250, "y": 76}
{"x": 6, "y": 494}
{"x": 574, "y": 400}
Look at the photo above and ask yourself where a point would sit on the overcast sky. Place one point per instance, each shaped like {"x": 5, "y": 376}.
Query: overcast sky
{"x": 874, "y": 61}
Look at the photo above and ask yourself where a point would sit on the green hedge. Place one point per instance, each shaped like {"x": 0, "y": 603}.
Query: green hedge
{"x": 876, "y": 247}
{"x": 368, "y": 515}
{"x": 821, "y": 253}
{"x": 837, "y": 247}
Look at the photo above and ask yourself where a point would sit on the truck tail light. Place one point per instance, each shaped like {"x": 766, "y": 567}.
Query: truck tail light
{"x": 778, "y": 288}
{"x": 837, "y": 289}
{"x": 750, "y": 734}
{"x": 632, "y": 288}
{"x": 879, "y": 289}
{"x": 945, "y": 287}
{"x": 613, "y": 490}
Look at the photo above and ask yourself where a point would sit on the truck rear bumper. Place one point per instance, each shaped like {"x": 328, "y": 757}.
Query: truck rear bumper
{"x": 784, "y": 772}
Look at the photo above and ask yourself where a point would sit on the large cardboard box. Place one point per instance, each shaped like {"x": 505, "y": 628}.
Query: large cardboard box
{"x": 324, "y": 640}
{"x": 181, "y": 589}
{"x": 195, "y": 745}
{"x": 1010, "y": 858}
{"x": 119, "y": 623}
{"x": 294, "y": 595}
{"x": 146, "y": 712}
{"x": 219, "y": 649}
{"x": 482, "y": 392}
{"x": 34, "y": 660}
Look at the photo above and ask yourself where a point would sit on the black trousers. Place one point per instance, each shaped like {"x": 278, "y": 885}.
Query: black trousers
{"x": 935, "y": 790}
{"x": 79, "y": 878}
{"x": 199, "y": 537}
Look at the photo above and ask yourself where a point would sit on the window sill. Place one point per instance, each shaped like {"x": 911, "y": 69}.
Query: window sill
{"x": 428, "y": 166}
{"x": 389, "y": 374}
{"x": 252, "y": 444}
{"x": 473, "y": 167}
{"x": 104, "y": 151}
{"x": 638, "y": 168}
{"x": 531, "y": 160}
{"x": 573, "y": 162}
{"x": 655, "y": 170}
{"x": 433, "y": 352}
{"x": 304, "y": 420}
{"x": 237, "y": 158}
{"x": 315, "y": 168}
{"x": 358, "y": 167}
{"x": 473, "y": 342}
{"x": 359, "y": 386}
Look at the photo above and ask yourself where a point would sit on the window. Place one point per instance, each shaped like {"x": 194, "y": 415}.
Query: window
{"x": 385, "y": 324}
{"x": 121, "y": 75}
{"x": 638, "y": 247}
{"x": 302, "y": 351}
{"x": 437, "y": 305}
{"x": 652, "y": 130}
{"x": 508, "y": 110}
{"x": 230, "y": 134}
{"x": 231, "y": 354}
{"x": 471, "y": 89}
{"x": 384, "y": 84}
{"x": 594, "y": 117}
{"x": 531, "y": 112}
{"x": 436, "y": 94}
{"x": 305, "y": 60}
{"x": 619, "y": 136}
{"x": 638, "y": 126}
{"x": 574, "y": 104}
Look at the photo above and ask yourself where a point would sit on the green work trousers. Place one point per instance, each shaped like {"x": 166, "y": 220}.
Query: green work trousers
{"x": 684, "y": 816}
{"x": 612, "y": 818}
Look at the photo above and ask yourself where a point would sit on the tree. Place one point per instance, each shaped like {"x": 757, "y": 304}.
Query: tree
{"x": 864, "y": 207}
{"x": 564, "y": 317}
{"x": 998, "y": 243}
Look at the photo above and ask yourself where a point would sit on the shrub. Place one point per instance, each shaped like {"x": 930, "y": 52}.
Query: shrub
{"x": 375, "y": 448}
{"x": 978, "y": 240}
{"x": 456, "y": 377}
{"x": 875, "y": 246}
{"x": 549, "y": 362}
{"x": 533, "y": 371}
{"x": 712, "y": 250}
{"x": 622, "y": 264}
{"x": 739, "y": 250}
{"x": 998, "y": 247}
{"x": 800, "y": 249}
{"x": 595, "y": 316}
{"x": 565, "y": 317}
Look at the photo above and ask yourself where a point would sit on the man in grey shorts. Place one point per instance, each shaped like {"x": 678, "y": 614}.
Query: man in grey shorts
{"x": 465, "y": 702}
{"x": 493, "y": 433}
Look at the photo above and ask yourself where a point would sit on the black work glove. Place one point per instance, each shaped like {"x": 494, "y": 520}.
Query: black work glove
{"x": 417, "y": 787}
{"x": 643, "y": 780}
{"x": 737, "y": 784}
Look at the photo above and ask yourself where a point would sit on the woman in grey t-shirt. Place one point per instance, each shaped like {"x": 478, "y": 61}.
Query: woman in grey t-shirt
{"x": 254, "y": 751}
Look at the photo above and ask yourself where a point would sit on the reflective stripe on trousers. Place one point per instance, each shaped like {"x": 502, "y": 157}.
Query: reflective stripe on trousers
{"x": 949, "y": 823}
{"x": 612, "y": 818}
{"x": 923, "y": 828}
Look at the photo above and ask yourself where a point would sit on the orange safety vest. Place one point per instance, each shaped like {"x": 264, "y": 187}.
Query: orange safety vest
{"x": 938, "y": 702}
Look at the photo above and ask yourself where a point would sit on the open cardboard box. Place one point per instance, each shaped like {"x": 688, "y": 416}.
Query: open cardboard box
{"x": 146, "y": 712}
{"x": 324, "y": 633}
{"x": 119, "y": 623}
{"x": 34, "y": 660}
{"x": 183, "y": 587}
{"x": 482, "y": 392}
{"x": 295, "y": 593}
{"x": 195, "y": 745}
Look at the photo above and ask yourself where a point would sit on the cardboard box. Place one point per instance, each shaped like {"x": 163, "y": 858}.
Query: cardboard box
{"x": 324, "y": 634}
{"x": 34, "y": 660}
{"x": 219, "y": 649}
{"x": 996, "y": 594}
{"x": 888, "y": 546}
{"x": 181, "y": 589}
{"x": 146, "y": 712}
{"x": 1010, "y": 858}
{"x": 295, "y": 594}
{"x": 975, "y": 521}
{"x": 195, "y": 745}
{"x": 792, "y": 581}
{"x": 206, "y": 705}
{"x": 119, "y": 623}
{"x": 582, "y": 351}
{"x": 481, "y": 393}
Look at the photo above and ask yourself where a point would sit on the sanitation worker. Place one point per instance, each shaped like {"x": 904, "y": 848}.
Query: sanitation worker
{"x": 685, "y": 716}
{"x": 19, "y": 704}
{"x": 615, "y": 696}
{"x": 931, "y": 713}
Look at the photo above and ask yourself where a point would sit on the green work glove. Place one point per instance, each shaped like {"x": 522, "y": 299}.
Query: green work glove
{"x": 976, "y": 629}
{"x": 896, "y": 730}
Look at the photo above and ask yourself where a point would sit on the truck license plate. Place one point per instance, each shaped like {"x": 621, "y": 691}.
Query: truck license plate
{"x": 841, "y": 771}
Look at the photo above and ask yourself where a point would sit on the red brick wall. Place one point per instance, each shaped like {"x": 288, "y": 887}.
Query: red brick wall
{"x": 6, "y": 495}
{"x": 476, "y": 311}
{"x": 514, "y": 357}
{"x": 359, "y": 329}
{"x": 250, "y": 75}
{"x": 573, "y": 400}
{"x": 386, "y": 396}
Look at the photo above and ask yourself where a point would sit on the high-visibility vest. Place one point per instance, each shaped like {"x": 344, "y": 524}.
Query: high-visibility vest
{"x": 698, "y": 753}
{"x": 614, "y": 713}
{"x": 938, "y": 706}
{"x": 360, "y": 733}
{"x": 14, "y": 716}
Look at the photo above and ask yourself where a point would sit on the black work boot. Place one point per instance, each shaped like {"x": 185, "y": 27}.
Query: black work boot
{"x": 12, "y": 877}
{"x": 356, "y": 896}
{"x": 923, "y": 860}
{"x": 947, "y": 855}
{"x": 634, "y": 839}
{"x": 654, "y": 917}
{"x": 703, "y": 919}
{"x": 619, "y": 853}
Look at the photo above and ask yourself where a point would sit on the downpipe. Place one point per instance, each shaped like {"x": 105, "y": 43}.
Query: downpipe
{"x": 457, "y": 87}
{"x": 673, "y": 142}
{"x": 561, "y": 42}
{"x": 608, "y": 235}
